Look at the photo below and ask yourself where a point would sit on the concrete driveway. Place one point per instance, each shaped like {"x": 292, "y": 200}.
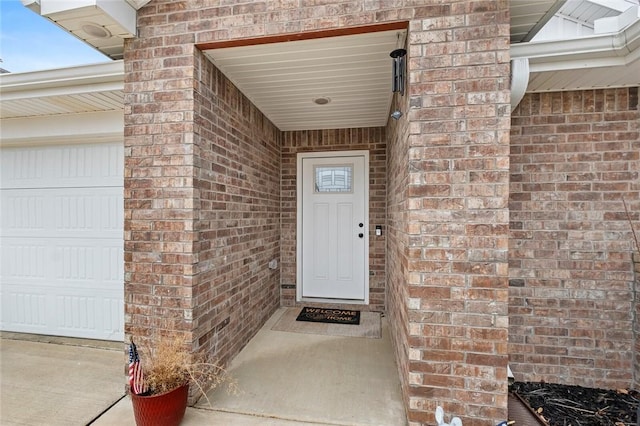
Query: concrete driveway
{"x": 56, "y": 381}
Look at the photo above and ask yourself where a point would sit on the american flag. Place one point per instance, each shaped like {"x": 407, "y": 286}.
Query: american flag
{"x": 136, "y": 378}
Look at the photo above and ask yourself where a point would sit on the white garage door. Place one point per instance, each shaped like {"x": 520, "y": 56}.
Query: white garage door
{"x": 61, "y": 240}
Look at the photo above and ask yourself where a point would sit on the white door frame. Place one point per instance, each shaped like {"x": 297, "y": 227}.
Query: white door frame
{"x": 299, "y": 189}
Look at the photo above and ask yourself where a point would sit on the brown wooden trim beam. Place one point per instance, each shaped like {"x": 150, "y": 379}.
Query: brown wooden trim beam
{"x": 281, "y": 38}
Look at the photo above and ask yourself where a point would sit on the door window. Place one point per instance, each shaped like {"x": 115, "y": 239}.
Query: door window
{"x": 333, "y": 178}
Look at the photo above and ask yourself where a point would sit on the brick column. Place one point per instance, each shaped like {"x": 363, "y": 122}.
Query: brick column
{"x": 202, "y": 200}
{"x": 159, "y": 231}
{"x": 454, "y": 238}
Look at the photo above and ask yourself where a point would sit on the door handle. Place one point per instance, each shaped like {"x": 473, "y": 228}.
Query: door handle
{"x": 361, "y": 235}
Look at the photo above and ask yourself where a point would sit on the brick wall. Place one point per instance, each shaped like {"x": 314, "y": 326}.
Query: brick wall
{"x": 371, "y": 139}
{"x": 574, "y": 155}
{"x": 237, "y": 200}
{"x": 158, "y": 191}
{"x": 398, "y": 248}
{"x": 202, "y": 201}
{"x": 453, "y": 216}
{"x": 448, "y": 285}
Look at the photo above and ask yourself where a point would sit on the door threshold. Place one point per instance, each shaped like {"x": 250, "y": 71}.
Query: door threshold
{"x": 328, "y": 300}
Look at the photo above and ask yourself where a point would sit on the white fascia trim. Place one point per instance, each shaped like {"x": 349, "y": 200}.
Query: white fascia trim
{"x": 61, "y": 81}
{"x": 120, "y": 11}
{"x": 137, "y": 4}
{"x": 104, "y": 126}
{"x": 586, "y": 52}
{"x": 33, "y": 5}
{"x": 614, "y": 24}
{"x": 617, "y": 5}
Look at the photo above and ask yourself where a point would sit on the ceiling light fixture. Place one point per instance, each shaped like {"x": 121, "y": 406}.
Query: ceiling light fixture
{"x": 95, "y": 30}
{"x": 322, "y": 100}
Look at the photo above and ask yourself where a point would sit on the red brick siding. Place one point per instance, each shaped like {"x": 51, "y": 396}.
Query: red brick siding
{"x": 574, "y": 155}
{"x": 453, "y": 216}
{"x": 397, "y": 246}
{"x": 238, "y": 223}
{"x": 202, "y": 197}
{"x": 371, "y": 139}
{"x": 448, "y": 300}
{"x": 158, "y": 186}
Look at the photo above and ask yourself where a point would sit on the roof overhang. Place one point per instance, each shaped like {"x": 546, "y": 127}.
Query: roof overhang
{"x": 83, "y": 78}
{"x": 103, "y": 24}
{"x": 329, "y": 80}
{"x": 76, "y": 104}
{"x": 603, "y": 60}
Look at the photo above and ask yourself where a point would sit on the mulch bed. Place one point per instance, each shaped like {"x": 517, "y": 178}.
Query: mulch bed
{"x": 563, "y": 405}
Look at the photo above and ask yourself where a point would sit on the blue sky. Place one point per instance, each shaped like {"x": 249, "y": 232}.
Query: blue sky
{"x": 29, "y": 42}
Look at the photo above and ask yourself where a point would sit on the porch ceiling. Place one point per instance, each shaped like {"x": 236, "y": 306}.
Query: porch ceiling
{"x": 351, "y": 72}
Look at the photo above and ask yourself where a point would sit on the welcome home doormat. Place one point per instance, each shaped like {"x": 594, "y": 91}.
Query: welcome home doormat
{"x": 331, "y": 316}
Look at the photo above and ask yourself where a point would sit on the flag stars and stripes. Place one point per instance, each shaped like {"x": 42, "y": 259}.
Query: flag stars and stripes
{"x": 136, "y": 376}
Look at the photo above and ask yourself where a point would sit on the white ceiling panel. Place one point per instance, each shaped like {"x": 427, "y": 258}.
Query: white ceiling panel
{"x": 283, "y": 79}
{"x": 588, "y": 78}
{"x": 62, "y": 104}
{"x": 527, "y": 17}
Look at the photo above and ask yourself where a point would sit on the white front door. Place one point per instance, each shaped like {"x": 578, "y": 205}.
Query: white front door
{"x": 332, "y": 225}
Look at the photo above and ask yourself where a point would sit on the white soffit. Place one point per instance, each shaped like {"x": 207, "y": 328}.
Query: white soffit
{"x": 87, "y": 88}
{"x": 528, "y": 17}
{"x": 283, "y": 79}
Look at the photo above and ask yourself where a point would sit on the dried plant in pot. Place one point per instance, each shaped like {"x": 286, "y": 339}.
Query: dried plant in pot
{"x": 159, "y": 383}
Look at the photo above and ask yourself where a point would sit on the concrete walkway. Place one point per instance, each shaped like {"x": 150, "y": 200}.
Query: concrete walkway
{"x": 58, "y": 383}
{"x": 285, "y": 379}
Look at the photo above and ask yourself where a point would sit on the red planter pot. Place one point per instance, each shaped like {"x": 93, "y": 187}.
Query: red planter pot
{"x": 165, "y": 409}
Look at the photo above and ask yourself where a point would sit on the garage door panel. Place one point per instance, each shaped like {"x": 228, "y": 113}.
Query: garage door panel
{"x": 22, "y": 211}
{"x": 89, "y": 313}
{"x": 84, "y": 260}
{"x": 77, "y": 263}
{"x": 24, "y": 259}
{"x": 61, "y": 240}
{"x": 92, "y": 165}
{"x": 55, "y": 212}
{"x": 22, "y": 310}
{"x": 83, "y": 210}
